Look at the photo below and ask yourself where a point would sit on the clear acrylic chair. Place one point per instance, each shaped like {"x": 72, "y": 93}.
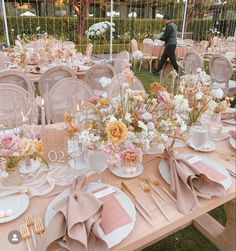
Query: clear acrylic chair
{"x": 49, "y": 78}
{"x": 192, "y": 61}
{"x": 64, "y": 97}
{"x": 118, "y": 82}
{"x": 95, "y": 73}
{"x": 221, "y": 71}
{"x": 119, "y": 60}
{"x": 15, "y": 104}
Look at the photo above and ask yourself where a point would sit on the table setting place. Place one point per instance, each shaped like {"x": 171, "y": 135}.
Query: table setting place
{"x": 85, "y": 183}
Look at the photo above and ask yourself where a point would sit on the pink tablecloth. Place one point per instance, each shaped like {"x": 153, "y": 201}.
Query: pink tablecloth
{"x": 157, "y": 50}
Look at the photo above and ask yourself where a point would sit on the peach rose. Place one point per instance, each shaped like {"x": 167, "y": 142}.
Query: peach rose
{"x": 156, "y": 87}
{"x": 132, "y": 156}
{"x": 116, "y": 131}
{"x": 27, "y": 147}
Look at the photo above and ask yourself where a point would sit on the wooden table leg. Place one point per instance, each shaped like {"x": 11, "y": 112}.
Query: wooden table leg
{"x": 224, "y": 238}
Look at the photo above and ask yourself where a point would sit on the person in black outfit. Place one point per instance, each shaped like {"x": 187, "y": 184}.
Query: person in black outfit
{"x": 169, "y": 37}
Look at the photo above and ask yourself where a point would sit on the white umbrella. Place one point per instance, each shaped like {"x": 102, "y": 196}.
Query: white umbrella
{"x": 27, "y": 14}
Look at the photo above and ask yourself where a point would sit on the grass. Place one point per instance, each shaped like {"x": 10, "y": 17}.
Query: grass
{"x": 188, "y": 239}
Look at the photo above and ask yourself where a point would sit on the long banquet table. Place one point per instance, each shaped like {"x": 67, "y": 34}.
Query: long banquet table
{"x": 143, "y": 234}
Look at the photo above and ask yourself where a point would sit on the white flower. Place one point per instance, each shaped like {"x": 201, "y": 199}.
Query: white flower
{"x": 142, "y": 125}
{"x": 38, "y": 28}
{"x": 199, "y": 70}
{"x": 181, "y": 104}
{"x": 92, "y": 33}
{"x": 128, "y": 117}
{"x": 98, "y": 33}
{"x": 150, "y": 125}
{"x": 102, "y": 30}
{"x": 112, "y": 118}
{"x": 199, "y": 95}
{"x": 137, "y": 55}
{"x": 217, "y": 93}
{"x": 147, "y": 116}
{"x": 160, "y": 147}
{"x": 183, "y": 126}
{"x": 104, "y": 81}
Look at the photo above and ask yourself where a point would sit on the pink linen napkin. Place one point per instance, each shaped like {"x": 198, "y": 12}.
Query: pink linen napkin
{"x": 113, "y": 214}
{"x": 77, "y": 220}
{"x": 189, "y": 181}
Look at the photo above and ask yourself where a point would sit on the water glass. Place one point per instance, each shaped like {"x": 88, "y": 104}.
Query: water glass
{"x": 197, "y": 136}
{"x": 214, "y": 130}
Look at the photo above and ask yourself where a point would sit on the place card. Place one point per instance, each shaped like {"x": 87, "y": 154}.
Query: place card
{"x": 54, "y": 145}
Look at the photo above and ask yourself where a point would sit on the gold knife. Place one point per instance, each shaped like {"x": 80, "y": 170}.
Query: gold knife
{"x": 125, "y": 187}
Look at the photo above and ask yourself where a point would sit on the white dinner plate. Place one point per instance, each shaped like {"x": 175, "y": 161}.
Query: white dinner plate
{"x": 165, "y": 171}
{"x": 121, "y": 171}
{"x": 18, "y": 203}
{"x": 34, "y": 165}
{"x": 209, "y": 146}
{"x": 232, "y": 142}
{"x": 230, "y": 121}
{"x": 115, "y": 236}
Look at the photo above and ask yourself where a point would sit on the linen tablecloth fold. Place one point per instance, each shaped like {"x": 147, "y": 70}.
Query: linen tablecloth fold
{"x": 77, "y": 220}
{"x": 189, "y": 181}
{"x": 232, "y": 133}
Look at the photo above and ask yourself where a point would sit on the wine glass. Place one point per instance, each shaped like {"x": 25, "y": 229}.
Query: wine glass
{"x": 197, "y": 137}
{"x": 98, "y": 162}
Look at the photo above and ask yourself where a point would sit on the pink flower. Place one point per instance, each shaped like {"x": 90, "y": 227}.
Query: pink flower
{"x": 8, "y": 144}
{"x": 94, "y": 100}
{"x": 132, "y": 155}
{"x": 163, "y": 97}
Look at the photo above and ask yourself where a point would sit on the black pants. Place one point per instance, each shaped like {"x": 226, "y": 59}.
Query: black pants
{"x": 169, "y": 52}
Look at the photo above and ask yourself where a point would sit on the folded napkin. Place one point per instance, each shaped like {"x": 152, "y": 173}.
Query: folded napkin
{"x": 77, "y": 220}
{"x": 192, "y": 178}
{"x": 232, "y": 133}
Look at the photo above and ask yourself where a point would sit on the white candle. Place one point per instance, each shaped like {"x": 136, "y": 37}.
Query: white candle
{"x": 43, "y": 114}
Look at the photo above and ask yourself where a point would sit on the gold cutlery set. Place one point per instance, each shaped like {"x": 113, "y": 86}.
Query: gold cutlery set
{"x": 29, "y": 229}
{"x": 227, "y": 156}
{"x": 151, "y": 186}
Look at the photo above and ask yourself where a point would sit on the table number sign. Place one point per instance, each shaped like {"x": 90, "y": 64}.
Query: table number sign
{"x": 54, "y": 145}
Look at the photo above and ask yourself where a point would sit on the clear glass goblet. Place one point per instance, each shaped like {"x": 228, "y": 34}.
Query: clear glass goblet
{"x": 98, "y": 162}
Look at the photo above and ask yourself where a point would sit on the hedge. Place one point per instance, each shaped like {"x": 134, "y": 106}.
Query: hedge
{"x": 126, "y": 29}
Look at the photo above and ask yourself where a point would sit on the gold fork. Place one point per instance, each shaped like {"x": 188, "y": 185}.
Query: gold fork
{"x": 147, "y": 189}
{"x": 30, "y": 222}
{"x": 25, "y": 233}
{"x": 39, "y": 227}
{"x": 155, "y": 182}
{"x": 153, "y": 187}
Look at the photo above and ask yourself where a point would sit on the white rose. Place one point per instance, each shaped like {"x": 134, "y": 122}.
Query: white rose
{"x": 217, "y": 93}
{"x": 98, "y": 33}
{"x": 92, "y": 33}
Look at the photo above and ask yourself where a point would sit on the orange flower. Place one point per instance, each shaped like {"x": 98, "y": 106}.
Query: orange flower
{"x": 116, "y": 131}
{"x": 38, "y": 146}
{"x": 68, "y": 117}
{"x": 157, "y": 87}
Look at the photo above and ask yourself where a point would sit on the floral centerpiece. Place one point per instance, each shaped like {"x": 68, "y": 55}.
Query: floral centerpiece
{"x": 14, "y": 149}
{"x": 132, "y": 122}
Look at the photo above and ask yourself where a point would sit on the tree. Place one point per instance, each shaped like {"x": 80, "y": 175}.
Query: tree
{"x": 80, "y": 8}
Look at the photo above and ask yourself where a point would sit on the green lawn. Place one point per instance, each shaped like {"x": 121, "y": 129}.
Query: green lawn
{"x": 188, "y": 239}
